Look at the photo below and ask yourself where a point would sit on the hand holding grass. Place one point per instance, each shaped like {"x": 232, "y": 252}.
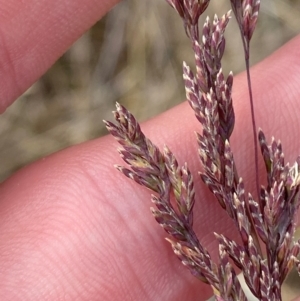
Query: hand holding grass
{"x": 72, "y": 228}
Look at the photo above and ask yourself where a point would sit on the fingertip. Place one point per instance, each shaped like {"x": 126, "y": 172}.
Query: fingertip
{"x": 35, "y": 33}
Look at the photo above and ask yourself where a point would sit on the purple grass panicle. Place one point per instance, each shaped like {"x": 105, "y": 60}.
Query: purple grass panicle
{"x": 266, "y": 251}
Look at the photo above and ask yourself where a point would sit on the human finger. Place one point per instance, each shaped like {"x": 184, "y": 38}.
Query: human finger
{"x": 35, "y": 33}
{"x": 73, "y": 227}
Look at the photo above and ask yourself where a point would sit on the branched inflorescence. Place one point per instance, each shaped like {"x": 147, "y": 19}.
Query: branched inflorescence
{"x": 268, "y": 221}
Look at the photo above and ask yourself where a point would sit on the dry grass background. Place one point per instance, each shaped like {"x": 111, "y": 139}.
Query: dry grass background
{"x": 133, "y": 56}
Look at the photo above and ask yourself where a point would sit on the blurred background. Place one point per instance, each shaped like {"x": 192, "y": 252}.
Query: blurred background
{"x": 134, "y": 56}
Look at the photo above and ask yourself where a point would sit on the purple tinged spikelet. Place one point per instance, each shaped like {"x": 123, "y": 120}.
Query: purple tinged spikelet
{"x": 264, "y": 223}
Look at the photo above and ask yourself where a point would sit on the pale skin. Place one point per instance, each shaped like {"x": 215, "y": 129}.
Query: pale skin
{"x": 72, "y": 227}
